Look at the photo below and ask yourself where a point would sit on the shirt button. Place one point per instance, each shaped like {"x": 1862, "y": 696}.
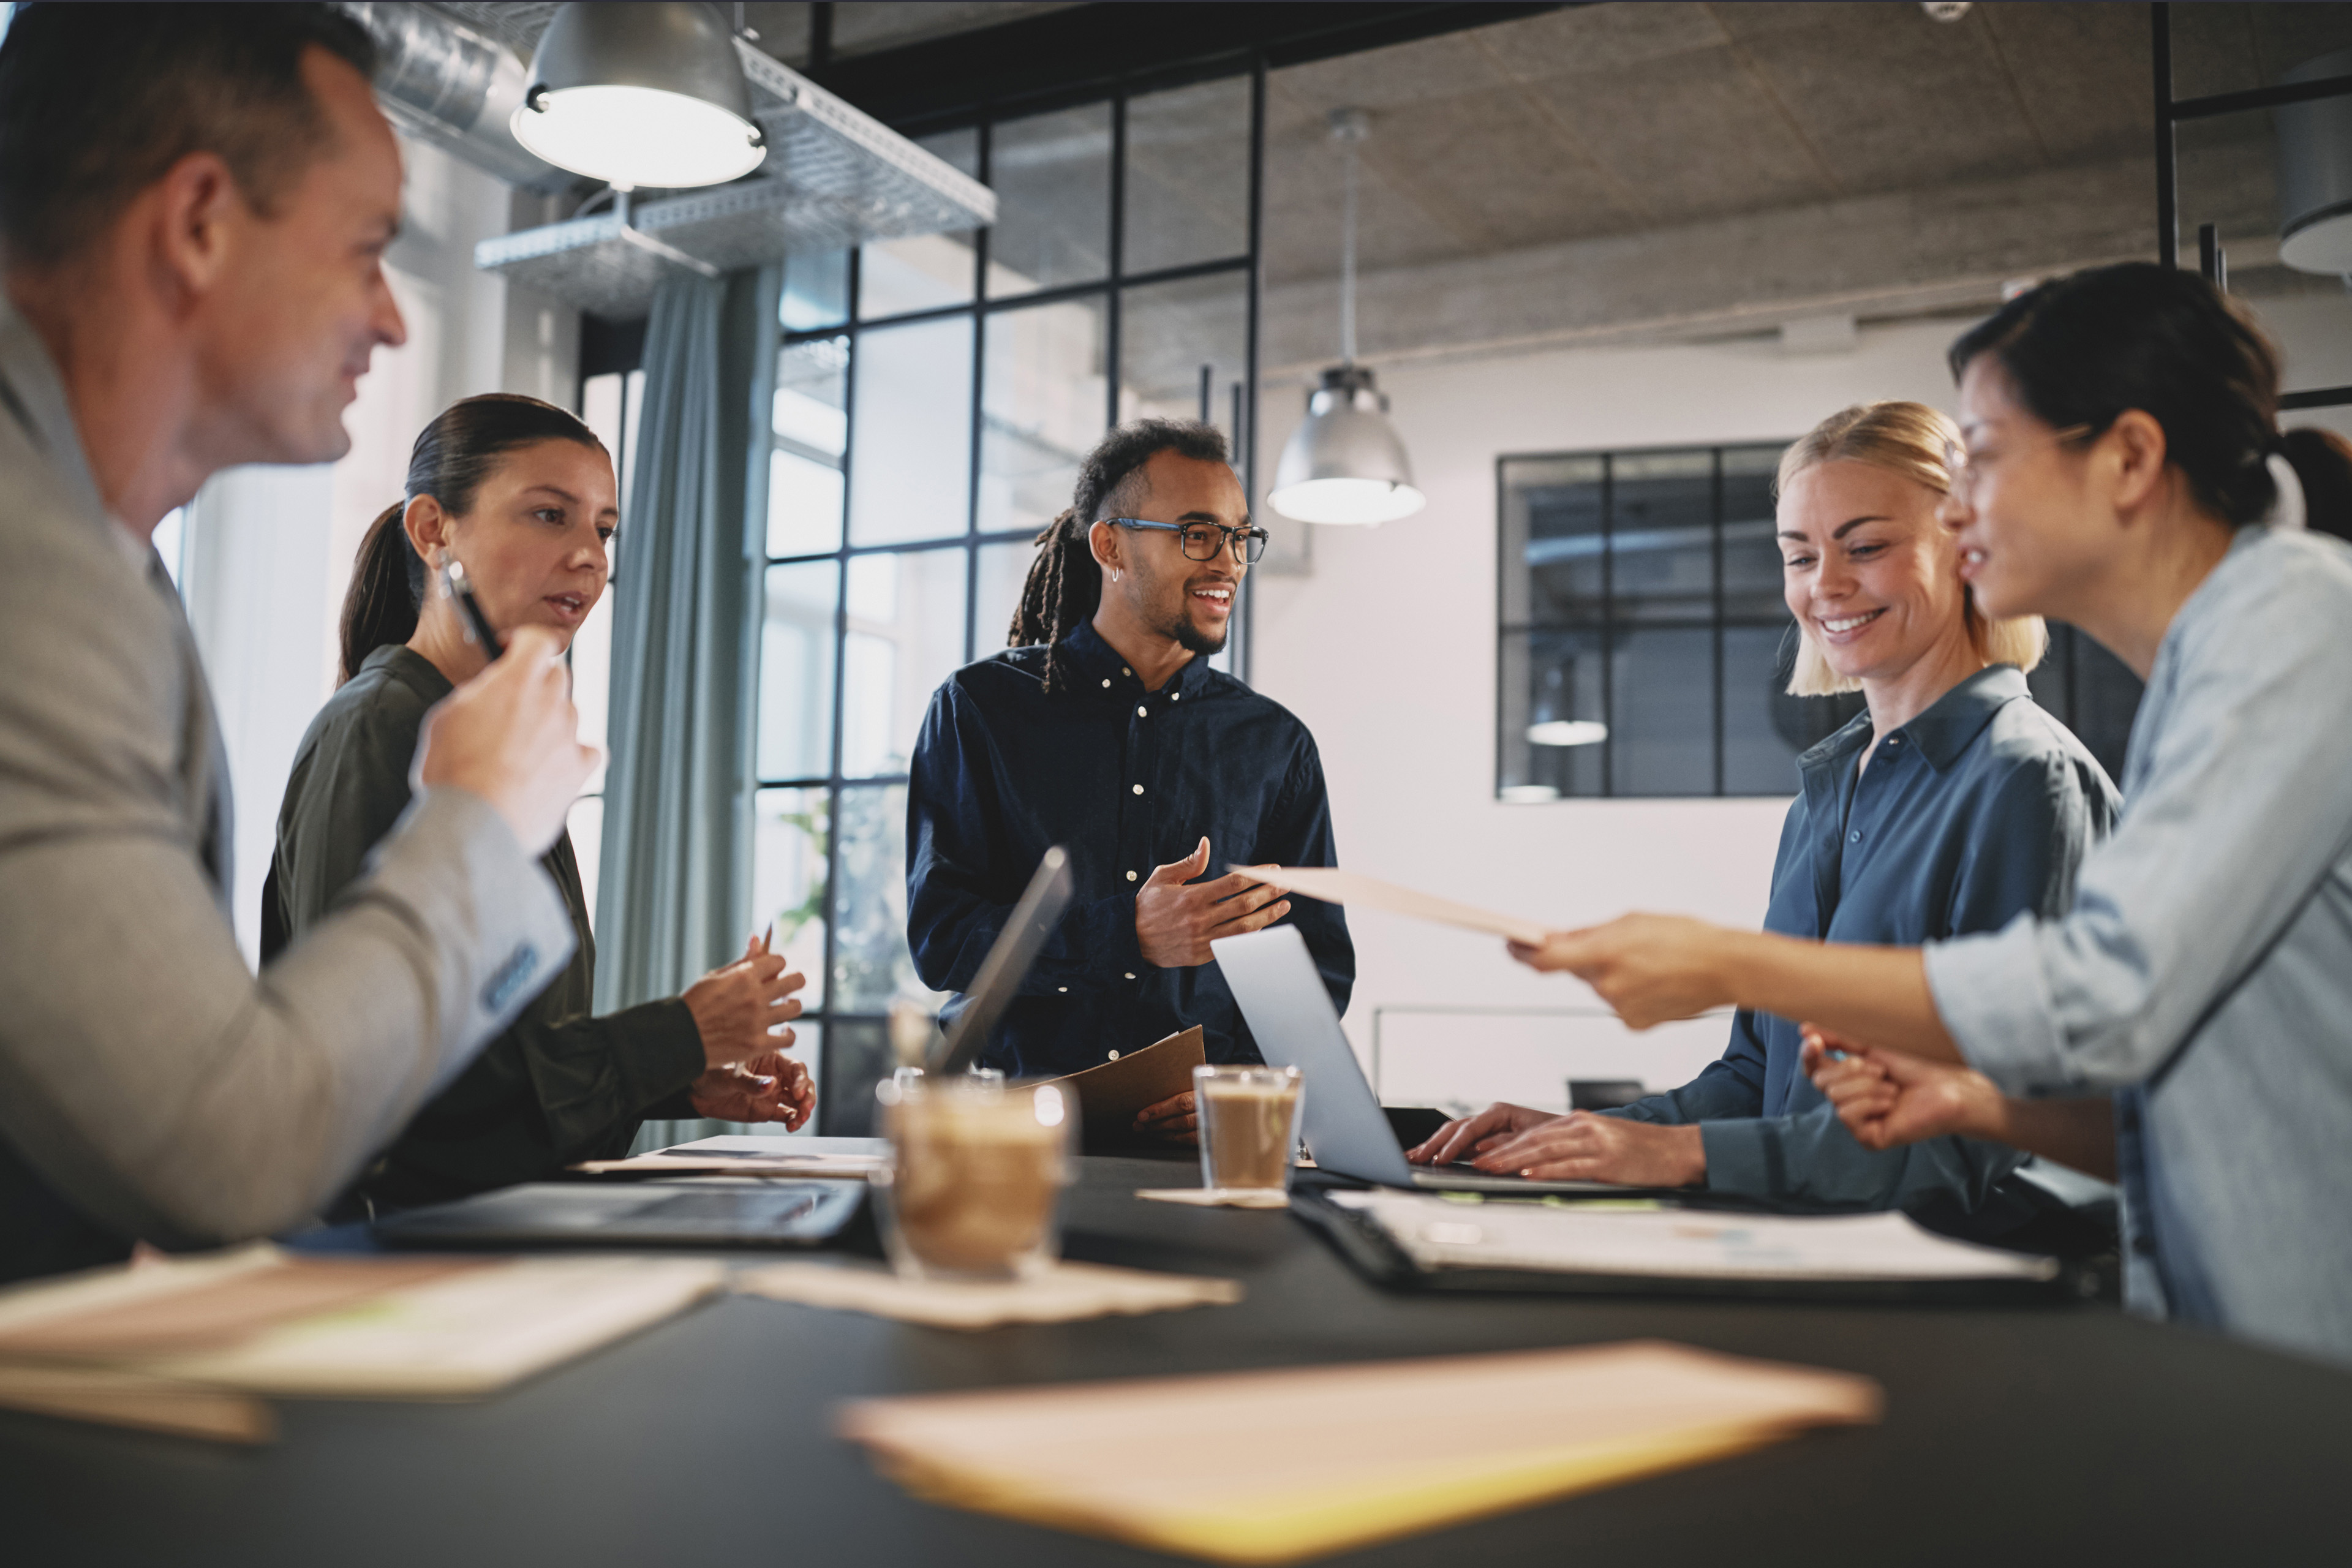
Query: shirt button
{"x": 1175, "y": 697}
{"x": 1105, "y": 686}
{"x": 1062, "y": 989}
{"x": 1130, "y": 976}
{"x": 1855, "y": 837}
{"x": 1114, "y": 1056}
{"x": 1124, "y": 671}
{"x": 1139, "y": 789}
{"x": 1131, "y": 875}
{"x": 1143, "y": 712}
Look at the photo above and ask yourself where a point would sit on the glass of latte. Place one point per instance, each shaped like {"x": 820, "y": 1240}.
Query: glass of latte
{"x": 1249, "y": 1126}
{"x": 973, "y": 1189}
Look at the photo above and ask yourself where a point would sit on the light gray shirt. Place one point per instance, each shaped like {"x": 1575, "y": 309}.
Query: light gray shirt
{"x": 151, "y": 1086}
{"x": 2204, "y": 971}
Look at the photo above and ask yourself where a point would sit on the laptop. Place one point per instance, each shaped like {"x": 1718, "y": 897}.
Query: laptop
{"x": 732, "y": 1213}
{"x": 723, "y": 1213}
{"x": 1273, "y": 977}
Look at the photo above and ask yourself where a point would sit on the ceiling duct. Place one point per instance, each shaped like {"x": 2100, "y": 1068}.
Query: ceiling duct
{"x": 834, "y": 177}
{"x": 454, "y": 86}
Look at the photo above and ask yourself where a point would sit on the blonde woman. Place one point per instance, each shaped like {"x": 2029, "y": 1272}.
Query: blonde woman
{"x": 1953, "y": 804}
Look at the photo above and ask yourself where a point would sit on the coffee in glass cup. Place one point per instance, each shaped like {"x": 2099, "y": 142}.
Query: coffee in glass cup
{"x": 975, "y": 1184}
{"x": 1249, "y": 1126}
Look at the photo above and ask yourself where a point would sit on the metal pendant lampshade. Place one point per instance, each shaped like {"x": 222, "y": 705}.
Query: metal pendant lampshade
{"x": 640, "y": 95}
{"x": 2314, "y": 172}
{"x": 1346, "y": 463}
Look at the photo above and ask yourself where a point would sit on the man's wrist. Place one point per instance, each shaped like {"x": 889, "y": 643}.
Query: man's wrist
{"x": 1690, "y": 1151}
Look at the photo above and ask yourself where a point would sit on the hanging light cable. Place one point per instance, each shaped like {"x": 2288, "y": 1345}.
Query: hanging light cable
{"x": 1346, "y": 464}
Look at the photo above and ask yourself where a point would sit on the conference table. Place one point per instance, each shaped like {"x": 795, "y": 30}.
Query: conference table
{"x": 2059, "y": 1433}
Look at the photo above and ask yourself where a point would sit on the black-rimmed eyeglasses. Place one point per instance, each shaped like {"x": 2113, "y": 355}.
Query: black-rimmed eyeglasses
{"x": 1202, "y": 540}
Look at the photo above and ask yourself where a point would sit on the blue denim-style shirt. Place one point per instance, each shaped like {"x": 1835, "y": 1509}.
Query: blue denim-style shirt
{"x": 1125, "y": 780}
{"x": 2204, "y": 969}
{"x": 1977, "y": 810}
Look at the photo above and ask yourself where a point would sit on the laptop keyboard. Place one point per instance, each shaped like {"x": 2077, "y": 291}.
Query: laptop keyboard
{"x": 692, "y": 1212}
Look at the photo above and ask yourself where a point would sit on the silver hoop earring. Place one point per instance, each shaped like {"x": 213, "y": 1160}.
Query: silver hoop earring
{"x": 1114, "y": 576}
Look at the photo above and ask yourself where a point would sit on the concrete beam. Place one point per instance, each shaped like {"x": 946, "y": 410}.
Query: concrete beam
{"x": 1920, "y": 252}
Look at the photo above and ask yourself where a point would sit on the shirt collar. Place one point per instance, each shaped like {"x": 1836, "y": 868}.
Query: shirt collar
{"x": 1103, "y": 666}
{"x": 1950, "y": 724}
{"x": 33, "y": 392}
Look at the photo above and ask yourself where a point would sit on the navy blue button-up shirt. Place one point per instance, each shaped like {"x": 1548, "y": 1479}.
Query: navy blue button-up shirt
{"x": 1978, "y": 809}
{"x": 1125, "y": 780}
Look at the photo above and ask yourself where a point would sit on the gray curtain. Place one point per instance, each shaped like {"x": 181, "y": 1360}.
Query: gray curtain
{"x": 674, "y": 897}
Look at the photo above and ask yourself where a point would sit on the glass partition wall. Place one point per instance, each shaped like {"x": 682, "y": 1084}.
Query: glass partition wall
{"x": 934, "y": 397}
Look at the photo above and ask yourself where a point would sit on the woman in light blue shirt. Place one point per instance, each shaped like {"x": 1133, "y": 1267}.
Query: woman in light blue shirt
{"x": 2125, "y": 472}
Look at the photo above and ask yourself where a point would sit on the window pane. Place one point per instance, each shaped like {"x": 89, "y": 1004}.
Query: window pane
{"x": 1552, "y": 717}
{"x": 796, "y": 671}
{"x": 870, "y": 960}
{"x": 1182, "y": 348}
{"x": 857, "y": 1058}
{"x": 910, "y": 468}
{"x": 1751, "y": 559}
{"x": 812, "y": 428}
{"x": 1764, "y": 728}
{"x": 1187, "y": 175}
{"x": 1051, "y": 176}
{"x": 1551, "y": 528}
{"x": 1042, "y": 406}
{"x": 788, "y": 850}
{"x": 922, "y": 273}
{"x": 817, "y": 291}
{"x": 1662, "y": 713}
{"x": 1002, "y": 571}
{"x": 1662, "y": 539}
{"x": 905, "y": 636}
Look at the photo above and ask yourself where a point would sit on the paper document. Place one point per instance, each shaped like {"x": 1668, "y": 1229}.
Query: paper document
{"x": 1349, "y": 887}
{"x": 1688, "y": 1243}
{"x": 259, "y": 1320}
{"x": 1274, "y": 1467}
{"x": 753, "y": 1156}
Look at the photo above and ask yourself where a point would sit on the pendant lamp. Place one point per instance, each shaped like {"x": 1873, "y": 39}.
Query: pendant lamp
{"x": 1345, "y": 464}
{"x": 640, "y": 95}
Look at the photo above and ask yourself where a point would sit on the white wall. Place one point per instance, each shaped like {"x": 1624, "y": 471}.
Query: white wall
{"x": 270, "y": 551}
{"x": 1386, "y": 651}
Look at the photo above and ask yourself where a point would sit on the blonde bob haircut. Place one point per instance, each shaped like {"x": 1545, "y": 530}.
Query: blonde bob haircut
{"x": 1909, "y": 439}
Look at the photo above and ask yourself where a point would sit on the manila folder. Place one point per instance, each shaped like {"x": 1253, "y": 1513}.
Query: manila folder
{"x": 1110, "y": 1095}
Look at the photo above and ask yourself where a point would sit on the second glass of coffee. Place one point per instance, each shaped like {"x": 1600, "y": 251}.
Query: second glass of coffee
{"x": 1249, "y": 1126}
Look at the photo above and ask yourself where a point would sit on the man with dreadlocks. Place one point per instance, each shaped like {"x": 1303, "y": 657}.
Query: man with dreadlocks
{"x": 1102, "y": 729}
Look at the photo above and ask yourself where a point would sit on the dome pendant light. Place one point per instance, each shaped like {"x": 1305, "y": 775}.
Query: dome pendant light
{"x": 640, "y": 95}
{"x": 1345, "y": 464}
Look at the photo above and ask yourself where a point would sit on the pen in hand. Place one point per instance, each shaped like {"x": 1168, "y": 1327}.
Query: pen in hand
{"x": 461, "y": 593}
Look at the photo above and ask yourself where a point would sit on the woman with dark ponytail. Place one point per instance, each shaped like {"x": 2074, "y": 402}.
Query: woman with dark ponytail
{"x": 2183, "y": 1024}
{"x": 522, "y": 493}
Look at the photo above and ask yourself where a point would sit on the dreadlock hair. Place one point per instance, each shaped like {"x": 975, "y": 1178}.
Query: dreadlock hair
{"x": 1065, "y": 583}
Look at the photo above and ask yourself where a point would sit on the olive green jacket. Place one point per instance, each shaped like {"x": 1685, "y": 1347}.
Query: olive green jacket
{"x": 558, "y": 1085}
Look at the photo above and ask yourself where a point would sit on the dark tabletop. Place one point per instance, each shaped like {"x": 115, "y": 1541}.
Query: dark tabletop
{"x": 2061, "y": 1434}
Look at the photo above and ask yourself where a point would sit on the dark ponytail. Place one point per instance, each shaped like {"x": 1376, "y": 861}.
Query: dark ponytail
{"x": 451, "y": 458}
{"x": 1065, "y": 583}
{"x": 2081, "y": 350}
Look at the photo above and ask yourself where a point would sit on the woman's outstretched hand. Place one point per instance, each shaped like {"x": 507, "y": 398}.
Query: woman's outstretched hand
{"x": 1648, "y": 968}
{"x": 1888, "y": 1098}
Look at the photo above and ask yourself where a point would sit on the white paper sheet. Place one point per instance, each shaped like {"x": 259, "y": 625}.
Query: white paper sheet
{"x": 1350, "y": 888}
{"x": 1691, "y": 1244}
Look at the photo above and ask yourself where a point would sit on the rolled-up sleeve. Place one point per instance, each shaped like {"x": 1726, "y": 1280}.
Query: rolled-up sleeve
{"x": 2240, "y": 805}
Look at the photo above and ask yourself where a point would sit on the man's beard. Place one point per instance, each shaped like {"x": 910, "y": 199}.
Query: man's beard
{"x": 1192, "y": 638}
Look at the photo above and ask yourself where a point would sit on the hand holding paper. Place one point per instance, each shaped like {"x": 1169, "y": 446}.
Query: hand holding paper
{"x": 1336, "y": 886}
